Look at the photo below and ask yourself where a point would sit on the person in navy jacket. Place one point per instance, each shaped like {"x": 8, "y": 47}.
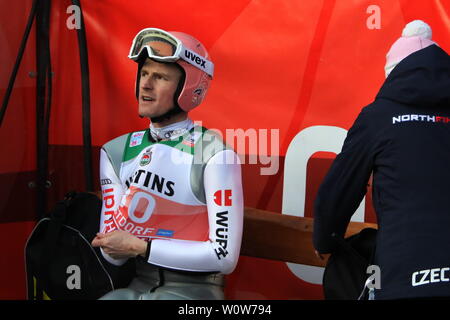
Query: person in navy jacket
{"x": 403, "y": 139}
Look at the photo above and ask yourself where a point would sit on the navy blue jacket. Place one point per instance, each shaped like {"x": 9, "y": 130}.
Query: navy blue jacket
{"x": 403, "y": 138}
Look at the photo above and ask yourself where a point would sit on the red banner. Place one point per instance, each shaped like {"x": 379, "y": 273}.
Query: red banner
{"x": 286, "y": 72}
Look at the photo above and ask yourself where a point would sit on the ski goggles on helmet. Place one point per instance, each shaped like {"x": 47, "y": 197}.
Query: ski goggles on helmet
{"x": 172, "y": 51}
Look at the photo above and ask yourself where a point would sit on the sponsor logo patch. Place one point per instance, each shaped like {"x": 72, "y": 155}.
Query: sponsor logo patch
{"x": 109, "y": 203}
{"x": 136, "y": 138}
{"x": 146, "y": 158}
{"x": 194, "y": 58}
{"x": 165, "y": 233}
{"x": 222, "y": 234}
{"x": 104, "y": 182}
{"x": 223, "y": 198}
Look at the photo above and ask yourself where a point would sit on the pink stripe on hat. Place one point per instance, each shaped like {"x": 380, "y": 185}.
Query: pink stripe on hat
{"x": 415, "y": 36}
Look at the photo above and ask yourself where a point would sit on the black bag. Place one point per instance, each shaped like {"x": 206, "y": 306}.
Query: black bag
{"x": 61, "y": 264}
{"x": 345, "y": 273}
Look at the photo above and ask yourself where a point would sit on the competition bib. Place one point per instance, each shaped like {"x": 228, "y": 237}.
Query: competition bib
{"x": 146, "y": 215}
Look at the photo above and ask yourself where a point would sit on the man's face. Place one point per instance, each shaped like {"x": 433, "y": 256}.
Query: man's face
{"x": 157, "y": 86}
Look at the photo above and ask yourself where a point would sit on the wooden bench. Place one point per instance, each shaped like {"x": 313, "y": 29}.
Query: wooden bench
{"x": 282, "y": 237}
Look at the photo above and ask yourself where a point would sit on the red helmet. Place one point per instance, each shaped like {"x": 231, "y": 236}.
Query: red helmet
{"x": 188, "y": 53}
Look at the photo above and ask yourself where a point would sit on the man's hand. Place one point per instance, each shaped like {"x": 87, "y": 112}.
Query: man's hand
{"x": 120, "y": 244}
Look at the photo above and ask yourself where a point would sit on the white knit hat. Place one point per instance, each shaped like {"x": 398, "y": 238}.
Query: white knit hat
{"x": 415, "y": 36}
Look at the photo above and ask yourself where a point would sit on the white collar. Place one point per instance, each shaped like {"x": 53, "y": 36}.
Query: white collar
{"x": 171, "y": 131}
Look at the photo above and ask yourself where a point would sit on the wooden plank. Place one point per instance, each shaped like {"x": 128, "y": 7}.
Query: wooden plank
{"x": 282, "y": 237}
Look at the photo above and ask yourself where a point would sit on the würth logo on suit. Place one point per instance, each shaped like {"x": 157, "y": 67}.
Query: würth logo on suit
{"x": 223, "y": 198}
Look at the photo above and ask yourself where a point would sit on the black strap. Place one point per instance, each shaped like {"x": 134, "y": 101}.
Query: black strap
{"x": 86, "y": 100}
{"x": 41, "y": 12}
{"x": 147, "y": 250}
{"x": 42, "y": 103}
{"x": 23, "y": 44}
